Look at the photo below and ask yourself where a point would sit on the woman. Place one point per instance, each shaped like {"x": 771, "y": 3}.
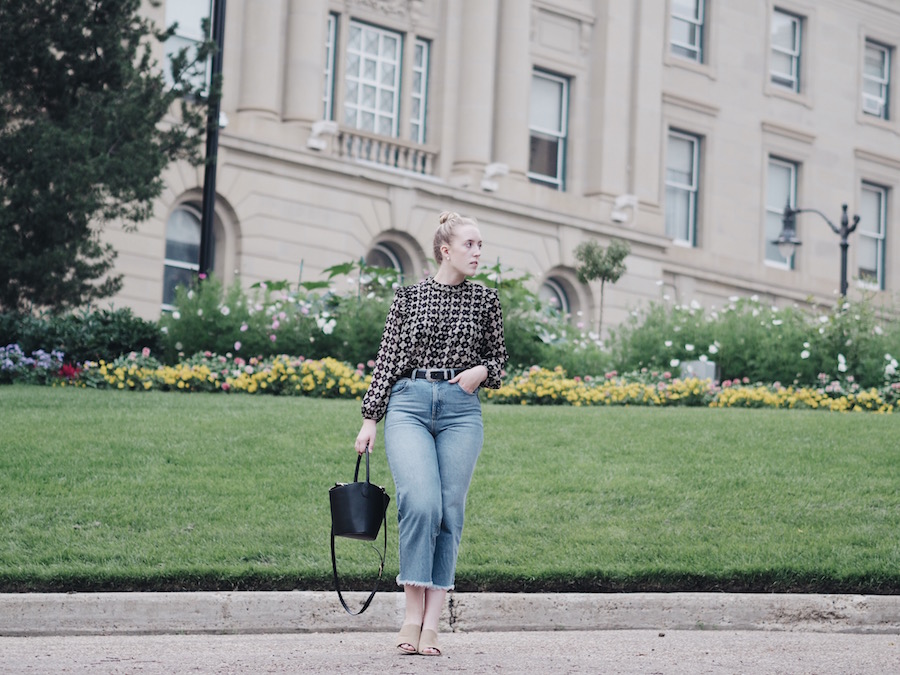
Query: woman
{"x": 443, "y": 339}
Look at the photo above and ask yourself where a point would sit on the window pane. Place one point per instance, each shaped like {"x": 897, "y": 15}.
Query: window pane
{"x": 783, "y": 64}
{"x": 678, "y": 214}
{"x": 544, "y": 156}
{"x": 680, "y": 161}
{"x": 172, "y": 277}
{"x": 783, "y": 32}
{"x": 183, "y": 237}
{"x": 684, "y": 33}
{"x": 689, "y": 9}
{"x": 778, "y": 189}
{"x": 870, "y": 211}
{"x": 546, "y": 104}
{"x": 876, "y": 60}
{"x": 189, "y": 15}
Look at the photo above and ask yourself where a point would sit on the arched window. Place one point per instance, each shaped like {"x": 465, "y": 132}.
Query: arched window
{"x": 393, "y": 256}
{"x": 382, "y": 255}
{"x": 553, "y": 294}
{"x": 182, "y": 251}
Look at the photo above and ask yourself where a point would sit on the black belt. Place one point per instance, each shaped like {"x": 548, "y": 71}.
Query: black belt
{"x": 433, "y": 374}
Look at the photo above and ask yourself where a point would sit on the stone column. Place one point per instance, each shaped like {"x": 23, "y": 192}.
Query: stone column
{"x": 262, "y": 57}
{"x": 474, "y": 97}
{"x": 305, "y": 70}
{"x": 513, "y": 87}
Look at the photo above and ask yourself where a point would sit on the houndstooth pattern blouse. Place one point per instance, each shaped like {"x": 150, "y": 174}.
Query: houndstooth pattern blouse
{"x": 432, "y": 325}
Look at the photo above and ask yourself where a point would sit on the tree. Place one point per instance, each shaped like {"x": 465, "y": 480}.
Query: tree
{"x": 603, "y": 264}
{"x": 86, "y": 129}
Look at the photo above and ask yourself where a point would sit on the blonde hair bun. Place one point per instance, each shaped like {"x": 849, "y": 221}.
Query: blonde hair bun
{"x": 446, "y": 216}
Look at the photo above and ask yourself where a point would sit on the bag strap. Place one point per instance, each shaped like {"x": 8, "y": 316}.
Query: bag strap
{"x": 337, "y": 583}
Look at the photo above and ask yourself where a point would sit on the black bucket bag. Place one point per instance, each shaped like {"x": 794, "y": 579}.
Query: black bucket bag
{"x": 358, "y": 510}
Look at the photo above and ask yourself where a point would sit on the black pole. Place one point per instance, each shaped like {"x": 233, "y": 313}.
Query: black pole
{"x": 844, "y": 245}
{"x": 212, "y": 141}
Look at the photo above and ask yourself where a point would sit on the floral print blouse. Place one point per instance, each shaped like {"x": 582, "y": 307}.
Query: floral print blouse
{"x": 432, "y": 325}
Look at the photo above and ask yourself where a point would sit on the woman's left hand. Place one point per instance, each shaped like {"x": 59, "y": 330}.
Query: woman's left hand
{"x": 470, "y": 379}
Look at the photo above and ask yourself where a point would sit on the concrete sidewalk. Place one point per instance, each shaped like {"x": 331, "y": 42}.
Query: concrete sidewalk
{"x": 611, "y": 652}
{"x": 46, "y": 614}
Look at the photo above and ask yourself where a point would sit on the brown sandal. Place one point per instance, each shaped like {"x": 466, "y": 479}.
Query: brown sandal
{"x": 428, "y": 643}
{"x": 409, "y": 637}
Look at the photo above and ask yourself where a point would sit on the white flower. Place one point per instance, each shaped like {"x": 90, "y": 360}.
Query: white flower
{"x": 804, "y": 354}
{"x": 704, "y": 358}
{"x": 713, "y": 349}
{"x": 878, "y": 330}
{"x": 190, "y": 295}
{"x": 842, "y": 363}
{"x": 823, "y": 319}
{"x": 668, "y": 343}
{"x": 695, "y": 304}
{"x": 176, "y": 315}
{"x": 689, "y": 348}
{"x": 164, "y": 330}
{"x": 806, "y": 345}
{"x": 199, "y": 312}
{"x": 754, "y": 298}
{"x": 733, "y": 298}
{"x": 225, "y": 310}
{"x": 777, "y": 322}
{"x": 179, "y": 346}
{"x": 890, "y": 369}
{"x": 674, "y": 363}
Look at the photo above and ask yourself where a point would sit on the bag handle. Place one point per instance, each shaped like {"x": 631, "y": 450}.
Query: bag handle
{"x": 382, "y": 555}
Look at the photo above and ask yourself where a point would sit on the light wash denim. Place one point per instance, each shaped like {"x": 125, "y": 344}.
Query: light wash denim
{"x": 433, "y": 435}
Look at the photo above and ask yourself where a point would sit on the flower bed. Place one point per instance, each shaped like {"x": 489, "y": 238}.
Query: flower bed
{"x": 329, "y": 378}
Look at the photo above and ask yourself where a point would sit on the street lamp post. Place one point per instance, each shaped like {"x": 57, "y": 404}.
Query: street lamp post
{"x": 207, "y": 212}
{"x": 787, "y": 241}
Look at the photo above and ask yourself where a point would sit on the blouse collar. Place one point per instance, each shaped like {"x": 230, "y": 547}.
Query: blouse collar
{"x": 446, "y": 288}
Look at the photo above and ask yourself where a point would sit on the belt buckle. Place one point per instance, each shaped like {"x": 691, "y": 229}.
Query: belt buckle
{"x": 431, "y": 374}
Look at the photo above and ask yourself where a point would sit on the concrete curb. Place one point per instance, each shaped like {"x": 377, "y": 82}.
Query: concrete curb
{"x": 319, "y": 612}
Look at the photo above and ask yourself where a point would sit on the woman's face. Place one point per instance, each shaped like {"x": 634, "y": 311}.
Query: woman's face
{"x": 464, "y": 250}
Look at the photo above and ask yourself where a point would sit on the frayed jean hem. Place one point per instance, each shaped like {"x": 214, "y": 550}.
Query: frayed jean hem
{"x": 424, "y": 584}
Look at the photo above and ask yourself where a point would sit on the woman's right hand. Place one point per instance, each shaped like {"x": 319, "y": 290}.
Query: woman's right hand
{"x": 365, "y": 440}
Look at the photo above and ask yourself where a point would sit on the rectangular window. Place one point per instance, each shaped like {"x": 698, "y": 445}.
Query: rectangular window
{"x": 548, "y": 127}
{"x": 872, "y": 228}
{"x": 686, "y": 29}
{"x": 876, "y": 80}
{"x": 328, "y": 94}
{"x": 372, "y": 79}
{"x": 781, "y": 191}
{"x": 682, "y": 184}
{"x": 189, "y": 15}
{"x": 784, "y": 69}
{"x": 419, "y": 91}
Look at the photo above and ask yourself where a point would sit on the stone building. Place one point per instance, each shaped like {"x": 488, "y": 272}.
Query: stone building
{"x": 683, "y": 127}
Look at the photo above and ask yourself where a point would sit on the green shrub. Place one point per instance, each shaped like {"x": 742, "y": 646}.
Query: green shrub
{"x": 747, "y": 339}
{"x": 82, "y": 336}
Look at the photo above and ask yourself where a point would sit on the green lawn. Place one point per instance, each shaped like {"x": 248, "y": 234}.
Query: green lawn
{"x": 160, "y": 491}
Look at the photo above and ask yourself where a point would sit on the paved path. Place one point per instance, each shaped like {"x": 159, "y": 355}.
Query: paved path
{"x": 678, "y": 652}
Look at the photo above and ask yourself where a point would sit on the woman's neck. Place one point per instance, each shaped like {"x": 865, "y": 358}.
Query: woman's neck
{"x": 448, "y": 277}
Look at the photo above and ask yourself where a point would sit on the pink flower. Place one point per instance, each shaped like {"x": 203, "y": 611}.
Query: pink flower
{"x": 244, "y": 327}
{"x": 225, "y": 386}
{"x": 202, "y": 275}
{"x": 746, "y": 380}
{"x": 237, "y": 346}
{"x": 370, "y": 363}
{"x": 275, "y": 324}
{"x": 273, "y": 338}
{"x": 145, "y": 352}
